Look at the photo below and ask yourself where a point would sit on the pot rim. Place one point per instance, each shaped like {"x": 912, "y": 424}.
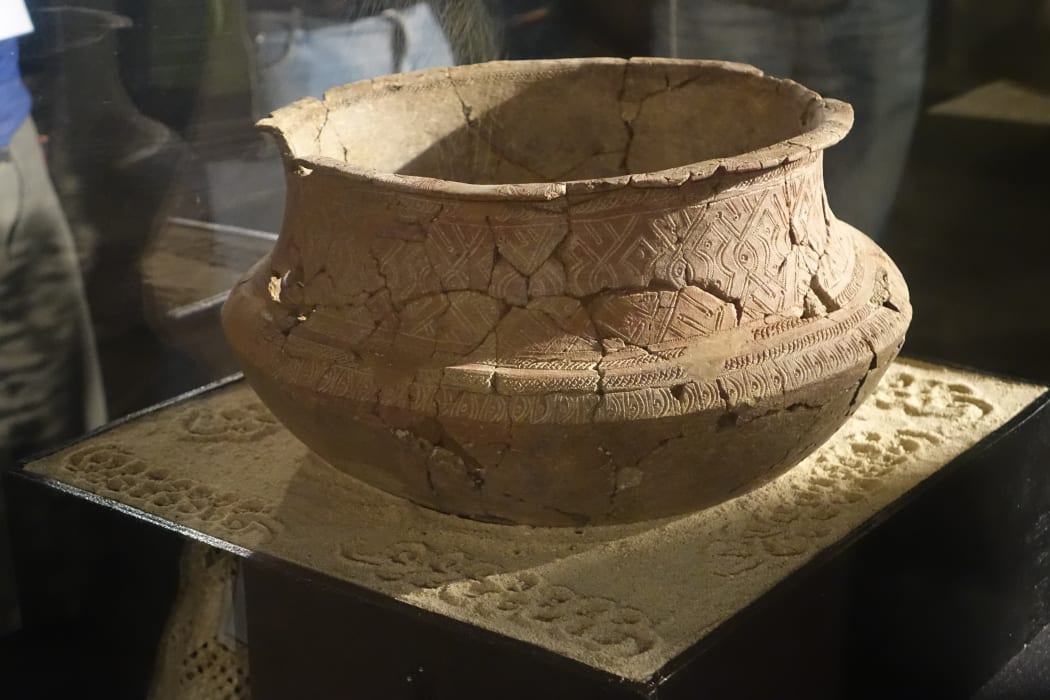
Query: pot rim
{"x": 828, "y": 121}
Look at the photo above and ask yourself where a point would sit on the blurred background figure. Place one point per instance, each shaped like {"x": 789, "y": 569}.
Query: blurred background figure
{"x": 870, "y": 53}
{"x": 111, "y": 166}
{"x": 50, "y": 383}
{"x": 303, "y": 48}
{"x": 300, "y": 48}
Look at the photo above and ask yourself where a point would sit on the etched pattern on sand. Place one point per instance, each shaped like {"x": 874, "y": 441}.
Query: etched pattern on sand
{"x": 924, "y": 397}
{"x": 230, "y": 424}
{"x": 115, "y": 471}
{"x": 525, "y": 600}
{"x": 859, "y": 464}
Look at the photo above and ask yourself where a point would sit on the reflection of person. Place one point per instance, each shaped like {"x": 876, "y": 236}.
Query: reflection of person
{"x": 870, "y": 53}
{"x": 50, "y": 383}
{"x": 301, "y": 48}
{"x": 307, "y": 46}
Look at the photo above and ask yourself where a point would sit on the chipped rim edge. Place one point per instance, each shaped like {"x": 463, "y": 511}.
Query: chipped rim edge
{"x": 831, "y": 121}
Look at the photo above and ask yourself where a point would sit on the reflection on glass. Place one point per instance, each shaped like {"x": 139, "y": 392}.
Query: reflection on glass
{"x": 50, "y": 387}
{"x": 299, "y": 55}
{"x": 50, "y": 382}
{"x": 870, "y": 53}
{"x": 301, "y": 49}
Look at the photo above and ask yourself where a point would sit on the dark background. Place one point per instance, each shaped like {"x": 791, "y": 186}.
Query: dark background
{"x": 970, "y": 227}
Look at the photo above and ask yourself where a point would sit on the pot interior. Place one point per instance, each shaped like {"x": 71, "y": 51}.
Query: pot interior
{"x": 558, "y": 121}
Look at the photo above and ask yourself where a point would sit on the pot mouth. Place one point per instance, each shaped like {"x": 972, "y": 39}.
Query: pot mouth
{"x": 540, "y": 130}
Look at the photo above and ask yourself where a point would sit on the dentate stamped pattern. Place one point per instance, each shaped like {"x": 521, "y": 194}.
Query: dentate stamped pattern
{"x": 649, "y": 322}
{"x": 739, "y": 249}
{"x": 748, "y": 257}
{"x": 546, "y": 586}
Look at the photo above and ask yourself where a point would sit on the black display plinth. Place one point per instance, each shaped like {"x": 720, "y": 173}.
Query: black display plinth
{"x": 926, "y": 595}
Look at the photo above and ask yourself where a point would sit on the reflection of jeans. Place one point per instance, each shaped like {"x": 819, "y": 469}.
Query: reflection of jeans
{"x": 870, "y": 53}
{"x": 297, "y": 56}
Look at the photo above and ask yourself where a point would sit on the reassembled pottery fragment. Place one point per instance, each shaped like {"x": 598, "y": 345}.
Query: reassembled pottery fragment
{"x": 565, "y": 292}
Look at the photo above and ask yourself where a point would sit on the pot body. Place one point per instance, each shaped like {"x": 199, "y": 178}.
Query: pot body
{"x": 607, "y": 354}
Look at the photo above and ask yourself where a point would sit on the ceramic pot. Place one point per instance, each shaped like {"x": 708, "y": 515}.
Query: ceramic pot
{"x": 565, "y": 292}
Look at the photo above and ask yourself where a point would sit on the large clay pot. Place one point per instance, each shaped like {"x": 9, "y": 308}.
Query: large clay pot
{"x": 565, "y": 292}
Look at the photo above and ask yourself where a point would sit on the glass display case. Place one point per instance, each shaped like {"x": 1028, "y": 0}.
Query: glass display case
{"x": 136, "y": 191}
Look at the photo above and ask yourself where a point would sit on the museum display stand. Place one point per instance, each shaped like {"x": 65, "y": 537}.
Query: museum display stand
{"x": 907, "y": 557}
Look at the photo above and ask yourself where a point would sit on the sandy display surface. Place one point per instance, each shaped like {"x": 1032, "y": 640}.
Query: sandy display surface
{"x": 624, "y": 599}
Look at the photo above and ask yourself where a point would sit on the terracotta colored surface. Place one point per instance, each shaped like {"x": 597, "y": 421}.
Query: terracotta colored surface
{"x": 622, "y": 598}
{"x": 565, "y": 292}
